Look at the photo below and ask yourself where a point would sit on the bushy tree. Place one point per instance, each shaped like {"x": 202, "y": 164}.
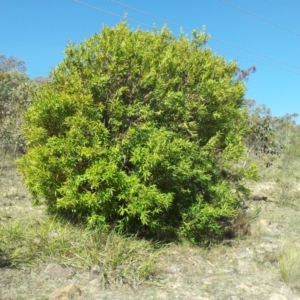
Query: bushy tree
{"x": 15, "y": 94}
{"x": 16, "y": 91}
{"x": 268, "y": 136}
{"x": 261, "y": 138}
{"x": 136, "y": 130}
{"x": 11, "y": 63}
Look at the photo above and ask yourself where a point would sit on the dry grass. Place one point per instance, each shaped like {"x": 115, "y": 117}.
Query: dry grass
{"x": 120, "y": 258}
{"x": 29, "y": 237}
{"x": 289, "y": 263}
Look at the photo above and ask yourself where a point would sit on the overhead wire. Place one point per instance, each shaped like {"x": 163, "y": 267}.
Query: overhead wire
{"x": 259, "y": 17}
{"x": 256, "y": 53}
{"x": 147, "y": 14}
{"x": 286, "y": 8}
{"x": 260, "y": 62}
{"x": 109, "y": 12}
{"x": 212, "y": 38}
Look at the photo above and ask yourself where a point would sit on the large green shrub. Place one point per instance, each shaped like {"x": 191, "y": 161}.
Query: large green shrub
{"x": 137, "y": 129}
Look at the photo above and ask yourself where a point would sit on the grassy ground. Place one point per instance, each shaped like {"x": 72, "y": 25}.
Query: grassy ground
{"x": 29, "y": 237}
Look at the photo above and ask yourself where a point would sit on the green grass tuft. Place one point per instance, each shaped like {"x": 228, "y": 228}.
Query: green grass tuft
{"x": 121, "y": 259}
{"x": 289, "y": 263}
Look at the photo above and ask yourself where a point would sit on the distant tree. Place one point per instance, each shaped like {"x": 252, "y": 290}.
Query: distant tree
{"x": 268, "y": 135}
{"x": 135, "y": 131}
{"x": 287, "y": 175}
{"x": 285, "y": 129}
{"x": 15, "y": 94}
{"x": 11, "y": 64}
{"x": 41, "y": 81}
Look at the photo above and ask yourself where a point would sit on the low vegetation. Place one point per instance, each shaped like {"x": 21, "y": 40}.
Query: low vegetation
{"x": 122, "y": 259}
{"x": 289, "y": 263}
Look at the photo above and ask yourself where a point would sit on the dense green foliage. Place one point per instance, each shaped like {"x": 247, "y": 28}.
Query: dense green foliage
{"x": 142, "y": 131}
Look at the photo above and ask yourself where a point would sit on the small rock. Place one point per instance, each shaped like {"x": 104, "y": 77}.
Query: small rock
{"x": 12, "y": 192}
{"x": 4, "y": 261}
{"x": 65, "y": 293}
{"x": 57, "y": 270}
{"x": 95, "y": 271}
{"x": 264, "y": 223}
{"x": 233, "y": 298}
{"x": 277, "y": 297}
{"x": 246, "y": 253}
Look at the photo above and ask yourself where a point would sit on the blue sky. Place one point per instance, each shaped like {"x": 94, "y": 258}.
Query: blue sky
{"x": 253, "y": 32}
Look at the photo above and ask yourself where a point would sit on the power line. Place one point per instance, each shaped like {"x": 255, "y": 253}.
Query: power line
{"x": 286, "y": 8}
{"x": 147, "y": 14}
{"x": 218, "y": 40}
{"x": 176, "y": 24}
{"x": 263, "y": 63}
{"x": 256, "y": 53}
{"x": 109, "y": 12}
{"x": 260, "y": 18}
